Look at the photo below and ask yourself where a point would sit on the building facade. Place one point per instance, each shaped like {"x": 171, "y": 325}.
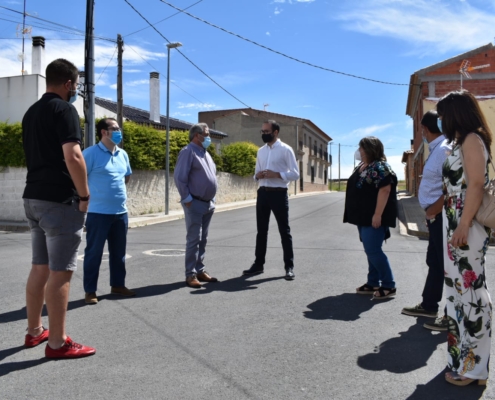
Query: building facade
{"x": 429, "y": 84}
{"x": 308, "y": 141}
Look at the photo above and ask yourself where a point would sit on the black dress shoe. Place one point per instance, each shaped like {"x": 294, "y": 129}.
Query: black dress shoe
{"x": 254, "y": 270}
{"x": 289, "y": 274}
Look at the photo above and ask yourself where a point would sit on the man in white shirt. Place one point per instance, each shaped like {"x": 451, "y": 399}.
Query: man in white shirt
{"x": 276, "y": 166}
{"x": 430, "y": 198}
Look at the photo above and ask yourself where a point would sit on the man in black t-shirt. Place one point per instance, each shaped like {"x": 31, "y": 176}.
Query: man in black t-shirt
{"x": 56, "y": 202}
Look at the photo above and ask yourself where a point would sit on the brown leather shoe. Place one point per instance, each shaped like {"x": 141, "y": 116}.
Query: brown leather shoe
{"x": 123, "y": 291}
{"x": 204, "y": 277}
{"x": 193, "y": 282}
{"x": 90, "y": 298}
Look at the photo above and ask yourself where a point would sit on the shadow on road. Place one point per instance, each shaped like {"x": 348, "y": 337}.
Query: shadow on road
{"x": 405, "y": 353}
{"x": 344, "y": 307}
{"x": 233, "y": 285}
{"x": 9, "y": 367}
{"x": 145, "y": 291}
{"x": 438, "y": 389}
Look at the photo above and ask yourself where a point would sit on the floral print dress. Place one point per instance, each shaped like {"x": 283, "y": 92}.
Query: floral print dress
{"x": 469, "y": 307}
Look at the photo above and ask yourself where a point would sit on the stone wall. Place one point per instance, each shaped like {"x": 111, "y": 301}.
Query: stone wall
{"x": 146, "y": 192}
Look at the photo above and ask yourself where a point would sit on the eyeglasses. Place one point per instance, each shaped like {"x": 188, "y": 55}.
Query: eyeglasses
{"x": 113, "y": 128}
{"x": 205, "y": 134}
{"x": 265, "y": 132}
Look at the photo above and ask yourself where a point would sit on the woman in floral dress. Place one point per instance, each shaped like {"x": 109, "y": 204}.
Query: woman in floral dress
{"x": 371, "y": 204}
{"x": 465, "y": 172}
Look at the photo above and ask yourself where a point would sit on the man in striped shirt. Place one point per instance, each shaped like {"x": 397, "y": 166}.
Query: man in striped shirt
{"x": 431, "y": 200}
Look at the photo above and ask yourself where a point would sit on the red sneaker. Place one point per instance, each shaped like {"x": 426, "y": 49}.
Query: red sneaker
{"x": 70, "y": 349}
{"x": 32, "y": 341}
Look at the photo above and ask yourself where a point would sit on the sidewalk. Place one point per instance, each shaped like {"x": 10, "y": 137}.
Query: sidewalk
{"x": 157, "y": 218}
{"x": 412, "y": 216}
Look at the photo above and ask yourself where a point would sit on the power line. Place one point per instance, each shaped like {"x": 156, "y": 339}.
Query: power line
{"x": 183, "y": 55}
{"x": 41, "y": 19}
{"x": 164, "y": 19}
{"x": 156, "y": 69}
{"x": 104, "y": 69}
{"x": 58, "y": 30}
{"x": 73, "y": 31}
{"x": 282, "y": 54}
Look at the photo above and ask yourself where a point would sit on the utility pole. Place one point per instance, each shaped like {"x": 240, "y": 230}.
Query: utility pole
{"x": 331, "y": 165}
{"x": 339, "y": 167}
{"x": 89, "y": 71}
{"x": 23, "y": 33}
{"x": 120, "y": 96}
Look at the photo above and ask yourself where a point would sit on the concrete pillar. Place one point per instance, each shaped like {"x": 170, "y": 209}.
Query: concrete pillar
{"x": 38, "y": 56}
{"x": 155, "y": 97}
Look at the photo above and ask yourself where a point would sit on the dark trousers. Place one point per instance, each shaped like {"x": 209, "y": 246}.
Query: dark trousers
{"x": 278, "y": 203}
{"x": 432, "y": 292}
{"x": 99, "y": 229}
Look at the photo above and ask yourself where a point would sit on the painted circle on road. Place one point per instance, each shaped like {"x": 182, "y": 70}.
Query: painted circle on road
{"x": 165, "y": 252}
{"x": 104, "y": 258}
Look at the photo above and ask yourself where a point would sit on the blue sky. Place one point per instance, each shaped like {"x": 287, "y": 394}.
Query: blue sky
{"x": 385, "y": 40}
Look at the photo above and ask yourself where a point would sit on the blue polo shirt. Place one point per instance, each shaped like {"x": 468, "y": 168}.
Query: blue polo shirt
{"x": 106, "y": 179}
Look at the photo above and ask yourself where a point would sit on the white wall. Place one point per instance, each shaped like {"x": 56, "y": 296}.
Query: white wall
{"x": 17, "y": 94}
{"x": 146, "y": 192}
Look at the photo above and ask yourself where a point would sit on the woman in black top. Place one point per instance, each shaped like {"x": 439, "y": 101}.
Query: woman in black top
{"x": 371, "y": 204}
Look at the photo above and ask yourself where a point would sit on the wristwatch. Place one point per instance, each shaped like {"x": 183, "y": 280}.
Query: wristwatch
{"x": 84, "y": 198}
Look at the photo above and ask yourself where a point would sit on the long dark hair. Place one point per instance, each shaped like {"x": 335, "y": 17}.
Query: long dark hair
{"x": 461, "y": 115}
{"x": 373, "y": 148}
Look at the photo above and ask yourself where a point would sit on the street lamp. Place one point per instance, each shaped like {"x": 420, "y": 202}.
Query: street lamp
{"x": 167, "y": 151}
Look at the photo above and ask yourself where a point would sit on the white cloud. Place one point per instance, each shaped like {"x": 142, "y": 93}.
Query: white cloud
{"x": 429, "y": 26}
{"x": 277, "y": 11}
{"x": 195, "y": 105}
{"x": 267, "y": 33}
{"x": 113, "y": 86}
{"x": 74, "y": 51}
{"x": 305, "y": 1}
{"x": 132, "y": 71}
{"x": 137, "y": 82}
{"x": 179, "y": 114}
{"x": 368, "y": 130}
{"x": 279, "y": 1}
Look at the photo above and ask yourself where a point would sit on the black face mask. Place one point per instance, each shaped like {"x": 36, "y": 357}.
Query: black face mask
{"x": 267, "y": 137}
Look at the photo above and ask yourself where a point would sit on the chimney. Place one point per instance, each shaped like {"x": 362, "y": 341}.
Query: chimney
{"x": 155, "y": 97}
{"x": 38, "y": 56}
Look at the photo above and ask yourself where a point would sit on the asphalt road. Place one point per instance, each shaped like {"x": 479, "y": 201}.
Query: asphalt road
{"x": 255, "y": 338}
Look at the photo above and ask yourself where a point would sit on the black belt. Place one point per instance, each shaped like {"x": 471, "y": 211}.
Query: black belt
{"x": 199, "y": 198}
{"x": 273, "y": 189}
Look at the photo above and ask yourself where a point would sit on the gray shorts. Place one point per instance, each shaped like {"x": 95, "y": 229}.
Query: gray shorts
{"x": 56, "y": 231}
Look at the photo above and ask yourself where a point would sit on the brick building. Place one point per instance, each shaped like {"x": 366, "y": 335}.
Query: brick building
{"x": 309, "y": 142}
{"x": 429, "y": 84}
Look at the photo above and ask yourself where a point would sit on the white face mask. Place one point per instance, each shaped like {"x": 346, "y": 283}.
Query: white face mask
{"x": 357, "y": 155}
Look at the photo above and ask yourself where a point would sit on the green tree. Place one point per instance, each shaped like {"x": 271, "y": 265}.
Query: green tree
{"x": 11, "y": 150}
{"x": 239, "y": 158}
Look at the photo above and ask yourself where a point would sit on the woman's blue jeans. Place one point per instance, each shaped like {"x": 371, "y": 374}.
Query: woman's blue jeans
{"x": 379, "y": 271}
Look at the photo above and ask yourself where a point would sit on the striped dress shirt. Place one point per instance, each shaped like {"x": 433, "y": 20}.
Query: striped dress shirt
{"x": 430, "y": 188}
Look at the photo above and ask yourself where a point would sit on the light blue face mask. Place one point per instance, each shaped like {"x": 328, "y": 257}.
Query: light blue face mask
{"x": 73, "y": 98}
{"x": 206, "y": 142}
{"x": 439, "y": 124}
{"x": 116, "y": 137}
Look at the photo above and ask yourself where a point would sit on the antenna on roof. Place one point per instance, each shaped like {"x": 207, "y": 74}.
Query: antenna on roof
{"x": 265, "y": 106}
{"x": 466, "y": 67}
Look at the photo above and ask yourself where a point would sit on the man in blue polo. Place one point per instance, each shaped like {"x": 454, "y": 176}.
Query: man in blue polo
{"x": 108, "y": 172}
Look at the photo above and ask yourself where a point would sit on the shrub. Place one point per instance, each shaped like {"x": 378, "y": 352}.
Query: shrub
{"x": 239, "y": 158}
{"x": 11, "y": 150}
